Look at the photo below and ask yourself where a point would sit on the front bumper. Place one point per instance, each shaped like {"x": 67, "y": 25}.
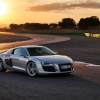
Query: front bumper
{"x": 56, "y": 69}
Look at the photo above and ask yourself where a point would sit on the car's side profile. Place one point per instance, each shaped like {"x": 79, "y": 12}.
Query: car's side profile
{"x": 35, "y": 60}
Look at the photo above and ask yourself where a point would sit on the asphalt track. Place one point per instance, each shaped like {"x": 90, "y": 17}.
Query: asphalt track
{"x": 83, "y": 84}
{"x": 79, "y": 48}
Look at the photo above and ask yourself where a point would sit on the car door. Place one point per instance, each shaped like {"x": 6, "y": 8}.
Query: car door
{"x": 19, "y": 58}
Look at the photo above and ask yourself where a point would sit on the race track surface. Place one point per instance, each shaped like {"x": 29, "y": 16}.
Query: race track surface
{"x": 83, "y": 84}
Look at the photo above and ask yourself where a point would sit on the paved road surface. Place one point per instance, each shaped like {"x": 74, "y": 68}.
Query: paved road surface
{"x": 80, "y": 49}
{"x": 83, "y": 84}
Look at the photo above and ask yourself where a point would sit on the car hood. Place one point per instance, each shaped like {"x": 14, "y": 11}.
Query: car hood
{"x": 54, "y": 59}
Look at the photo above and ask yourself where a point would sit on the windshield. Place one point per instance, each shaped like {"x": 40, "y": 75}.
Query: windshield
{"x": 40, "y": 51}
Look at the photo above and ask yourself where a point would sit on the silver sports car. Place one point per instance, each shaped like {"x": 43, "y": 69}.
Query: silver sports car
{"x": 35, "y": 60}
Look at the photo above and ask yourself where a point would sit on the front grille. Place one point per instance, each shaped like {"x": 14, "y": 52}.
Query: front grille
{"x": 63, "y": 70}
{"x": 69, "y": 68}
{"x": 49, "y": 68}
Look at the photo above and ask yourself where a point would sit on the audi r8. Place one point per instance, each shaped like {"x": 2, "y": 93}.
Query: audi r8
{"x": 35, "y": 60}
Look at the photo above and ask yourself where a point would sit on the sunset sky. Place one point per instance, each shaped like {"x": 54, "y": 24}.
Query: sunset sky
{"x": 46, "y": 11}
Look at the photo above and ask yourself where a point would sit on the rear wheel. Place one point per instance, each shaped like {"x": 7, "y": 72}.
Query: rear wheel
{"x": 31, "y": 69}
{"x": 1, "y": 66}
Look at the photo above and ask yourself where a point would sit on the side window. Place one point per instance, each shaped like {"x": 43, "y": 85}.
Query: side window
{"x": 17, "y": 52}
{"x": 20, "y": 52}
{"x": 24, "y": 53}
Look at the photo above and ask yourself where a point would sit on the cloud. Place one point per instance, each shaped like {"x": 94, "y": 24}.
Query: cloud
{"x": 64, "y": 6}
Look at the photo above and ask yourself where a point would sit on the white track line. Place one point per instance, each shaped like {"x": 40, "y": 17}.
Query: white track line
{"x": 86, "y": 64}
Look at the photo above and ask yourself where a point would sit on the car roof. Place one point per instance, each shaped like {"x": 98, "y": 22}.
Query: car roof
{"x": 27, "y": 46}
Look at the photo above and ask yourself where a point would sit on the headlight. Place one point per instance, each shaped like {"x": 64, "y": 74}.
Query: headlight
{"x": 46, "y": 64}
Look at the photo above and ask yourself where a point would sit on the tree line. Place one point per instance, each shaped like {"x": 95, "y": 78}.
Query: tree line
{"x": 92, "y": 22}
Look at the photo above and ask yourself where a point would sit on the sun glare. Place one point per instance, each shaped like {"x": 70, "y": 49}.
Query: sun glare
{"x": 3, "y": 9}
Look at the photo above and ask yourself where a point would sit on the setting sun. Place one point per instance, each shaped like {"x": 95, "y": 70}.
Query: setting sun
{"x": 3, "y": 9}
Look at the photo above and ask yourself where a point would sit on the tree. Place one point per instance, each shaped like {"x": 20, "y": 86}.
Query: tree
{"x": 53, "y": 25}
{"x": 14, "y": 26}
{"x": 33, "y": 26}
{"x": 89, "y": 22}
{"x": 67, "y": 23}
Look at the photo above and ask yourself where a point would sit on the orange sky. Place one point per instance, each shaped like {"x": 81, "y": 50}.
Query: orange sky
{"x": 47, "y": 11}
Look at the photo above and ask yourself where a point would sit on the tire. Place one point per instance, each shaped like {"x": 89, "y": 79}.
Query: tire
{"x": 1, "y": 66}
{"x": 31, "y": 69}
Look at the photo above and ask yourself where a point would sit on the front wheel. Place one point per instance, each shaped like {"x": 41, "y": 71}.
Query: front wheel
{"x": 1, "y": 66}
{"x": 31, "y": 69}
